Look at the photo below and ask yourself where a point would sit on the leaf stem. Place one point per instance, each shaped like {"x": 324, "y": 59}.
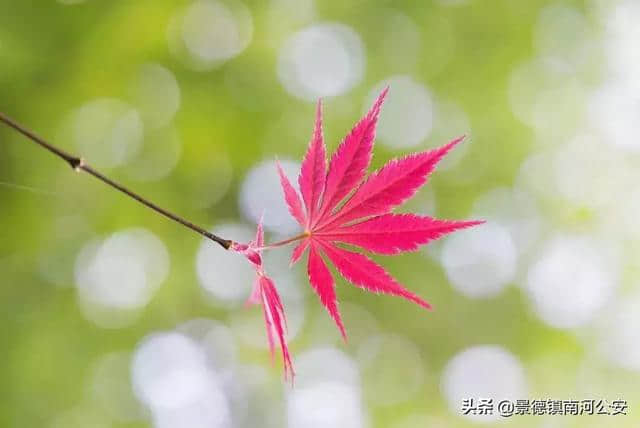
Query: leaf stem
{"x": 285, "y": 242}
{"x": 78, "y": 164}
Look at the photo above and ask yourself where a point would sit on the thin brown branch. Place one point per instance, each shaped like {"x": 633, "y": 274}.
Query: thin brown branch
{"x": 78, "y": 164}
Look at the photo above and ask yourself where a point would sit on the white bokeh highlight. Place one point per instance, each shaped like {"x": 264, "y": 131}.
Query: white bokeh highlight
{"x": 550, "y": 99}
{"x": 327, "y": 392}
{"x": 215, "y": 338}
{"x": 261, "y": 193}
{"x": 514, "y": 209}
{"x": 571, "y": 280}
{"x": 158, "y": 156}
{"x": 325, "y": 364}
{"x": 209, "y": 32}
{"x": 480, "y": 261}
{"x": 564, "y": 37}
{"x": 120, "y": 273}
{"x": 407, "y": 115}
{"x": 614, "y": 109}
{"x": 108, "y": 131}
{"x": 226, "y": 278}
{"x": 323, "y": 60}
{"x": 618, "y": 333}
{"x": 484, "y": 371}
{"x": 615, "y": 105}
{"x": 590, "y": 174}
{"x": 450, "y": 121}
{"x": 533, "y": 175}
{"x": 621, "y": 219}
{"x": 620, "y": 41}
{"x": 156, "y": 95}
{"x": 326, "y": 404}
{"x": 172, "y": 377}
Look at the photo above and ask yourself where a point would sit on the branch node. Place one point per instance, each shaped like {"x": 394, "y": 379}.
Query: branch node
{"x": 77, "y": 164}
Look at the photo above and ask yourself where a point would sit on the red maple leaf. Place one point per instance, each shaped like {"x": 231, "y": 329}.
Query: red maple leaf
{"x": 342, "y": 206}
{"x": 339, "y": 205}
{"x": 264, "y": 292}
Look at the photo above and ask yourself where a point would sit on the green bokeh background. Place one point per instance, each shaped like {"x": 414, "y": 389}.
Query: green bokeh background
{"x": 55, "y": 57}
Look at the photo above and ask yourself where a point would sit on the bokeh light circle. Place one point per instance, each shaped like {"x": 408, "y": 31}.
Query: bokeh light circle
{"x": 407, "y": 115}
{"x": 227, "y": 277}
{"x": 570, "y": 281}
{"x": 120, "y": 273}
{"x": 321, "y": 61}
{"x": 481, "y": 261}
{"x": 614, "y": 110}
{"x": 327, "y": 391}
{"x": 209, "y": 32}
{"x": 621, "y": 39}
{"x": 107, "y": 131}
{"x": 485, "y": 371}
{"x": 261, "y": 193}
{"x": 326, "y": 404}
{"x": 158, "y": 156}
{"x": 548, "y": 98}
{"x": 618, "y": 333}
{"x": 216, "y": 339}
{"x": 563, "y": 36}
{"x": 156, "y": 94}
{"x": 325, "y": 364}
{"x": 514, "y": 209}
{"x": 171, "y": 375}
{"x": 450, "y": 121}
